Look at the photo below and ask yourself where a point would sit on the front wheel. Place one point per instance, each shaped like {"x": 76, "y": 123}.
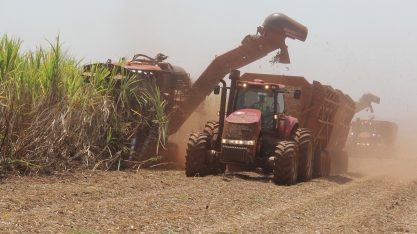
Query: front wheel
{"x": 286, "y": 163}
{"x": 211, "y": 129}
{"x": 195, "y": 164}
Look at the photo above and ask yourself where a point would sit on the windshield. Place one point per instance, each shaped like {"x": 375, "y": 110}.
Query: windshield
{"x": 258, "y": 98}
{"x": 253, "y": 98}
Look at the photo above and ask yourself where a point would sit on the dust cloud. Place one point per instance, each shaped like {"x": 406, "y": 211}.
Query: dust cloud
{"x": 401, "y": 167}
{"x": 205, "y": 112}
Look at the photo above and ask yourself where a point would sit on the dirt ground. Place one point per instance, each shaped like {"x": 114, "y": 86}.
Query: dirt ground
{"x": 376, "y": 196}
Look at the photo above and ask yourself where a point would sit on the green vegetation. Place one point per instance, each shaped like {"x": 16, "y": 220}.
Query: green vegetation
{"x": 52, "y": 118}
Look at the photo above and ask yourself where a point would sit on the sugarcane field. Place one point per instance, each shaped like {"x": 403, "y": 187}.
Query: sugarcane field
{"x": 208, "y": 117}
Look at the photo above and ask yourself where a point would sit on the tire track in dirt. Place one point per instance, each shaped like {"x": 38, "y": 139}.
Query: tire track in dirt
{"x": 358, "y": 205}
{"x": 395, "y": 213}
{"x": 293, "y": 204}
{"x": 366, "y": 200}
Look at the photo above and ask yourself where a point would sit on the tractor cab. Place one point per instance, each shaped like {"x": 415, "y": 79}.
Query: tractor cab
{"x": 266, "y": 97}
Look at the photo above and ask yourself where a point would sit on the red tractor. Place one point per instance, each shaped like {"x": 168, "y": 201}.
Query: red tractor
{"x": 253, "y": 133}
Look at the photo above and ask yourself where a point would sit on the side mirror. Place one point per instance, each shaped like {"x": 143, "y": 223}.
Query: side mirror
{"x": 297, "y": 94}
{"x": 216, "y": 90}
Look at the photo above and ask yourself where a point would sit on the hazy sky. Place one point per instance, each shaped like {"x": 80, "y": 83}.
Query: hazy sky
{"x": 354, "y": 46}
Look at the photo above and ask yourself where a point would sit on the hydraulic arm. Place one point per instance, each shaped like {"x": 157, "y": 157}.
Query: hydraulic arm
{"x": 270, "y": 37}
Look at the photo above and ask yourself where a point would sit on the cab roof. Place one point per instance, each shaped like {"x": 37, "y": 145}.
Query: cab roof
{"x": 260, "y": 83}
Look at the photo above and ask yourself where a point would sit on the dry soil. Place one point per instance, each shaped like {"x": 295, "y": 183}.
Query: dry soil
{"x": 378, "y": 195}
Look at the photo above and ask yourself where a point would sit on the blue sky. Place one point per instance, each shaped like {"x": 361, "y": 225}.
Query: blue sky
{"x": 354, "y": 46}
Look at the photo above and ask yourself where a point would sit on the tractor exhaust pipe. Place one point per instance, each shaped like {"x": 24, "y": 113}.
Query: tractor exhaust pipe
{"x": 221, "y": 114}
{"x": 234, "y": 77}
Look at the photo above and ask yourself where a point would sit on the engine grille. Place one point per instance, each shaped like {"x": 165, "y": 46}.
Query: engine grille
{"x": 234, "y": 154}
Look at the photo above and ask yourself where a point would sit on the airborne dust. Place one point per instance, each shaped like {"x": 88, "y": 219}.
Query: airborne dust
{"x": 205, "y": 112}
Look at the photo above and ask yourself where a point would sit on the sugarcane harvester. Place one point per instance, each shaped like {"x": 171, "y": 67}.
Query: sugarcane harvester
{"x": 182, "y": 97}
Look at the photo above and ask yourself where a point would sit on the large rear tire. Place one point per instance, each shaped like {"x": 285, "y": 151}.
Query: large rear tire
{"x": 306, "y": 155}
{"x": 286, "y": 163}
{"x": 195, "y": 164}
{"x": 319, "y": 169}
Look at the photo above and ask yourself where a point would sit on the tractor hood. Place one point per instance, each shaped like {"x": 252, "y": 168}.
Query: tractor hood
{"x": 244, "y": 116}
{"x": 243, "y": 124}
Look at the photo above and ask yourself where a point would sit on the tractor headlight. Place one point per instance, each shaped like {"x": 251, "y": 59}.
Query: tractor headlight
{"x": 238, "y": 142}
